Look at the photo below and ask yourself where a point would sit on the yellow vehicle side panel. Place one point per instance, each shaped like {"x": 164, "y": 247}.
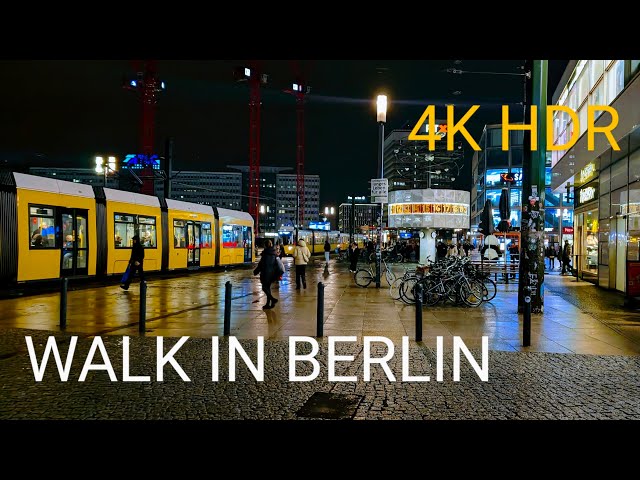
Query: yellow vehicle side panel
{"x": 178, "y": 256}
{"x": 34, "y": 264}
{"x": 234, "y": 256}
{"x": 118, "y": 258}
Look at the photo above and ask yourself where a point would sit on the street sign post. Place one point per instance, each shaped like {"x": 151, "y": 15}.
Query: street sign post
{"x": 380, "y": 190}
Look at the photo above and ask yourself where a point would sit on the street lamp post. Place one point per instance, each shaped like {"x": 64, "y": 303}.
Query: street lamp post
{"x": 329, "y": 212}
{"x": 105, "y": 168}
{"x": 381, "y": 104}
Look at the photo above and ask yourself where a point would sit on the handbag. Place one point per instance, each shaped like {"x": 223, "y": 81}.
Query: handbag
{"x": 126, "y": 275}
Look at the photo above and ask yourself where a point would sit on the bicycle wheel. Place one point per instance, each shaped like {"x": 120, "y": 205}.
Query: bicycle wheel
{"x": 363, "y": 278}
{"x": 472, "y": 292}
{"x": 406, "y": 290}
{"x": 394, "y": 288}
{"x": 432, "y": 291}
{"x": 490, "y": 290}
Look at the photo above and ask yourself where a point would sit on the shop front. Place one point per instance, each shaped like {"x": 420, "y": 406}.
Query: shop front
{"x": 586, "y": 228}
{"x": 436, "y": 214}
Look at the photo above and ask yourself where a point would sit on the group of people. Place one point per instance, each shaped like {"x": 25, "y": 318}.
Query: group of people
{"x": 563, "y": 255}
{"x": 459, "y": 249}
{"x": 270, "y": 268}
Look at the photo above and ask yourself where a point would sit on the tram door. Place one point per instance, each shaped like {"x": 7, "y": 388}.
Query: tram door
{"x": 193, "y": 237}
{"x": 74, "y": 241}
{"x": 247, "y": 243}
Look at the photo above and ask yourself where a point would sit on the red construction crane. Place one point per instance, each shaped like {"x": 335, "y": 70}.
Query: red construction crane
{"x": 255, "y": 79}
{"x": 146, "y": 85}
{"x": 299, "y": 91}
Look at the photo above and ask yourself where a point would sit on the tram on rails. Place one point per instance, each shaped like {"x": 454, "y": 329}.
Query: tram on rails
{"x": 52, "y": 228}
{"x": 315, "y": 241}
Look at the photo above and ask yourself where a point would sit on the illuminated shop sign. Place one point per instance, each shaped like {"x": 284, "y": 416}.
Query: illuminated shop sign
{"x": 432, "y": 208}
{"x": 510, "y": 177}
{"x": 586, "y": 194}
{"x": 567, "y": 230}
{"x": 587, "y": 172}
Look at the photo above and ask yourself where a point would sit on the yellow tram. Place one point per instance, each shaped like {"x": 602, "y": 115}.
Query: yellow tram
{"x": 50, "y": 228}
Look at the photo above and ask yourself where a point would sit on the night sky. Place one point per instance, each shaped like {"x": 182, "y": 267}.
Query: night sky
{"x": 63, "y": 113}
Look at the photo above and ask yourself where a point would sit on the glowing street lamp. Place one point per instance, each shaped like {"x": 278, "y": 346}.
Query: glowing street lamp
{"x": 102, "y": 167}
{"x": 381, "y": 106}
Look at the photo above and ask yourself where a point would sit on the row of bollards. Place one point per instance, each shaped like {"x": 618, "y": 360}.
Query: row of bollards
{"x": 142, "y": 323}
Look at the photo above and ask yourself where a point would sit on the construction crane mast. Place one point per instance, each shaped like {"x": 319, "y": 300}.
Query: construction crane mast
{"x": 299, "y": 90}
{"x": 146, "y": 85}
{"x": 255, "y": 79}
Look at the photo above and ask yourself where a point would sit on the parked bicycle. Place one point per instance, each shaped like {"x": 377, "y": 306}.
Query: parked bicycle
{"x": 364, "y": 276}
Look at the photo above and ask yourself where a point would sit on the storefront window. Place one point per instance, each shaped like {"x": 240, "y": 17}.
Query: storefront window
{"x": 494, "y": 196}
{"x": 493, "y": 177}
{"x": 605, "y": 209}
{"x": 42, "y": 227}
{"x": 515, "y": 217}
{"x": 619, "y": 174}
{"x": 603, "y": 237}
{"x": 590, "y": 242}
{"x": 567, "y": 217}
{"x": 619, "y": 201}
{"x": 633, "y": 239}
{"x": 605, "y": 180}
{"x": 634, "y": 167}
{"x": 179, "y": 234}
{"x": 516, "y": 174}
{"x": 515, "y": 197}
{"x": 634, "y": 199}
{"x": 551, "y": 199}
{"x": 207, "y": 238}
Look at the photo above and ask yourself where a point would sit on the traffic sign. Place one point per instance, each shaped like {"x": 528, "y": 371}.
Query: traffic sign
{"x": 380, "y": 190}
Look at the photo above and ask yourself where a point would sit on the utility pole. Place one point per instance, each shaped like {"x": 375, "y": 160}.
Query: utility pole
{"x": 352, "y": 218}
{"x": 533, "y": 191}
{"x": 168, "y": 166}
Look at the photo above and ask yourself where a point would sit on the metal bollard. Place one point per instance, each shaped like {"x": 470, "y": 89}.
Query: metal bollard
{"x": 418, "y": 296}
{"x": 227, "y": 308}
{"x": 526, "y": 324}
{"x": 142, "y": 325}
{"x": 320, "y": 311}
{"x": 63, "y": 303}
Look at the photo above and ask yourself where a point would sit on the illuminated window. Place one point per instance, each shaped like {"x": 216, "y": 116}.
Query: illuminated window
{"x": 179, "y": 234}
{"x": 127, "y": 225}
{"x": 42, "y": 227}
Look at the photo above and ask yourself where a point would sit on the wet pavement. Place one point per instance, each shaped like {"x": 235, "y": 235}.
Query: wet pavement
{"x": 578, "y": 317}
{"x": 583, "y": 362}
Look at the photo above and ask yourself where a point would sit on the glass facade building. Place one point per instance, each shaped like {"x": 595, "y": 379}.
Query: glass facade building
{"x": 603, "y": 180}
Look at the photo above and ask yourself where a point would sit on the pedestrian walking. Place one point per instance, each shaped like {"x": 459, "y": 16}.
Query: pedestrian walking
{"x": 566, "y": 258}
{"x": 135, "y": 263}
{"x": 301, "y": 256}
{"x": 269, "y": 270}
{"x": 327, "y": 250}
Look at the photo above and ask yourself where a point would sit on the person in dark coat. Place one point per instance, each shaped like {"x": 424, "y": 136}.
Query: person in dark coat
{"x": 269, "y": 272}
{"x": 441, "y": 250}
{"x": 354, "y": 254}
{"x": 135, "y": 262}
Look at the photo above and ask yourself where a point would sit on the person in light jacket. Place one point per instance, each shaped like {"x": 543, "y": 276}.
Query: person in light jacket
{"x": 301, "y": 256}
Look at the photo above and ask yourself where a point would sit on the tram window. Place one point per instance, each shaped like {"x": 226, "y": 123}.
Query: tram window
{"x": 147, "y": 231}
{"x": 179, "y": 234}
{"x": 126, "y": 226}
{"x": 232, "y": 236}
{"x": 42, "y": 227}
{"x": 125, "y": 229}
{"x": 205, "y": 234}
